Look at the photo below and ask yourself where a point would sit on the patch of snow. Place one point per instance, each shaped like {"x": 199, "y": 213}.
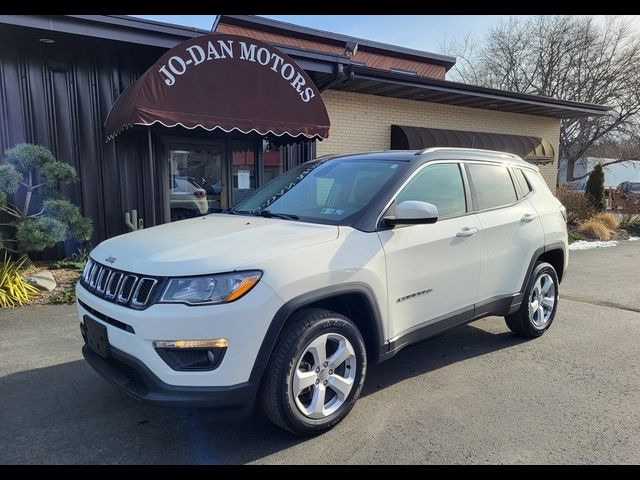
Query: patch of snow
{"x": 585, "y": 245}
{"x": 634, "y": 239}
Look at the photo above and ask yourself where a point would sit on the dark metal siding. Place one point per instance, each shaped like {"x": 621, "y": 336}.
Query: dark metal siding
{"x": 59, "y": 96}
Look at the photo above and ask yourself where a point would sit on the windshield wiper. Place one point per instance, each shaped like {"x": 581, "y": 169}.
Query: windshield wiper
{"x": 270, "y": 214}
{"x": 231, "y": 211}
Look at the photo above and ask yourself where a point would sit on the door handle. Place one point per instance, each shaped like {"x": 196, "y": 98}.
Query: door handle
{"x": 527, "y": 217}
{"x": 467, "y": 232}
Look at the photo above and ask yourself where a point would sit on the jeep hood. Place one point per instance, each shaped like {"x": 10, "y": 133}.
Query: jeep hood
{"x": 211, "y": 244}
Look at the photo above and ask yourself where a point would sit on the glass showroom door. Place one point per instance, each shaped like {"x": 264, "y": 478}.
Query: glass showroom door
{"x": 243, "y": 169}
{"x": 197, "y": 179}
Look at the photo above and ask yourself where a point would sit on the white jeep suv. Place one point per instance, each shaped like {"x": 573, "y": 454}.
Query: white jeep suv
{"x": 335, "y": 265}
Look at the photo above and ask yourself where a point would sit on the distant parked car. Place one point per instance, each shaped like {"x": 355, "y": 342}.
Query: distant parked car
{"x": 629, "y": 188}
{"x": 626, "y": 195}
{"x": 187, "y": 199}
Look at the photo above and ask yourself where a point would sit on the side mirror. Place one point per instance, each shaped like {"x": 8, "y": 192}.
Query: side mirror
{"x": 413, "y": 212}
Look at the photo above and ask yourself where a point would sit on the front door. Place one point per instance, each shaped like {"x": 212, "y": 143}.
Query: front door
{"x": 197, "y": 179}
{"x": 432, "y": 270}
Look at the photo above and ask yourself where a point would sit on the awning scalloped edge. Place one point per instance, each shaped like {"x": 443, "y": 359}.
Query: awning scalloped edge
{"x": 236, "y": 129}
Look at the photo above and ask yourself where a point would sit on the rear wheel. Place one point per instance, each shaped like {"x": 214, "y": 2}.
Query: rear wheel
{"x": 539, "y": 304}
{"x": 316, "y": 372}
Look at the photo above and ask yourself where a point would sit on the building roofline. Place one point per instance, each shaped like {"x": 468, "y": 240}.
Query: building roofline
{"x": 111, "y": 27}
{"x": 155, "y": 25}
{"x": 160, "y": 34}
{"x": 457, "y": 87}
{"x": 298, "y": 31}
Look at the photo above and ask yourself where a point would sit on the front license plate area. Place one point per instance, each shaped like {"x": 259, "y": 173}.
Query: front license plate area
{"x": 97, "y": 338}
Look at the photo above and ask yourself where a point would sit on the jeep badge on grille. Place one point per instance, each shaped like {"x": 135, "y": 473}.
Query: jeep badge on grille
{"x": 110, "y": 259}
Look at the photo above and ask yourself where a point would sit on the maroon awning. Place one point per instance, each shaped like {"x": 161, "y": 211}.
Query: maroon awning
{"x": 533, "y": 149}
{"x": 226, "y": 82}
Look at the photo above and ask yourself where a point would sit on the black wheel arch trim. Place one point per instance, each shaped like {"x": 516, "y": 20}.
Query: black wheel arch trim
{"x": 547, "y": 248}
{"x": 299, "y": 302}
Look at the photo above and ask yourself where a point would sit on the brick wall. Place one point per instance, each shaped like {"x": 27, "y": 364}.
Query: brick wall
{"x": 361, "y": 123}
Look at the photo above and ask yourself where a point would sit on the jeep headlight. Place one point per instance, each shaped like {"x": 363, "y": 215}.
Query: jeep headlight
{"x": 210, "y": 289}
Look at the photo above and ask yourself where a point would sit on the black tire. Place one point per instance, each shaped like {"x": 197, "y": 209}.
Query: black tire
{"x": 276, "y": 395}
{"x": 521, "y": 322}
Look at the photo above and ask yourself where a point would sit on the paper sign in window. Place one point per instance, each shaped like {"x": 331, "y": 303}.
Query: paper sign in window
{"x": 244, "y": 179}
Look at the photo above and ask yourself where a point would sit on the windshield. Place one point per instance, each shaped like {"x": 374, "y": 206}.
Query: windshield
{"x": 333, "y": 191}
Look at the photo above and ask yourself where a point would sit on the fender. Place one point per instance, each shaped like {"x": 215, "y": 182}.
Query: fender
{"x": 285, "y": 311}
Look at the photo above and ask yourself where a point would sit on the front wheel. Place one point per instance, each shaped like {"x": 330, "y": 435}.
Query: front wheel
{"x": 316, "y": 372}
{"x": 539, "y": 304}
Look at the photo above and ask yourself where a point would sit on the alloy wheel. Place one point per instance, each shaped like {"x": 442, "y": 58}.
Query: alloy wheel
{"x": 542, "y": 301}
{"x": 324, "y": 375}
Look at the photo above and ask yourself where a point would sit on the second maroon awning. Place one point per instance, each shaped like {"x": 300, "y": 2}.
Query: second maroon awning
{"x": 227, "y": 82}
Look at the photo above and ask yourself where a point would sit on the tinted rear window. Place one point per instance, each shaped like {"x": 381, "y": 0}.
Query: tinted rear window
{"x": 493, "y": 186}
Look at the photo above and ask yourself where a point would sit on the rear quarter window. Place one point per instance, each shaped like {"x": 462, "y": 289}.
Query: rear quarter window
{"x": 523, "y": 186}
{"x": 537, "y": 182}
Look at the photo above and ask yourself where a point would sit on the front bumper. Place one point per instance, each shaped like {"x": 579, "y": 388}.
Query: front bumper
{"x": 132, "y": 377}
{"x": 243, "y": 323}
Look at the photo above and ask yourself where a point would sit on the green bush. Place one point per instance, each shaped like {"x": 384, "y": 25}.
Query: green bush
{"x": 65, "y": 297}
{"x": 36, "y": 234}
{"x": 79, "y": 228}
{"x": 594, "y": 192}
{"x": 69, "y": 264}
{"x": 9, "y": 179}
{"x": 574, "y": 236}
{"x": 38, "y": 223}
{"x": 632, "y": 227}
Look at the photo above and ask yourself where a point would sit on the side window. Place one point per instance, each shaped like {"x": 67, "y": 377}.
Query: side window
{"x": 440, "y": 185}
{"x": 525, "y": 188}
{"x": 492, "y": 184}
{"x": 536, "y": 180}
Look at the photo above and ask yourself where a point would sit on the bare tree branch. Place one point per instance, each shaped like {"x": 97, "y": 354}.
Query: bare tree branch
{"x": 563, "y": 56}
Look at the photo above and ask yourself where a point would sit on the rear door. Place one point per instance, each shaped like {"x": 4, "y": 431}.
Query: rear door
{"x": 511, "y": 230}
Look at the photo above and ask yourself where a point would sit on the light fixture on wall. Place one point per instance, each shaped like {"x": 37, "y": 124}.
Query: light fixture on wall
{"x": 48, "y": 41}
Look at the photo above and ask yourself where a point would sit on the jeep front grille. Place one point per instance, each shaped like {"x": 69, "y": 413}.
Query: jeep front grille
{"x": 128, "y": 289}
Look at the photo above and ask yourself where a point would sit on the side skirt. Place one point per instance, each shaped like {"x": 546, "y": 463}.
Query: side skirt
{"x": 500, "y": 306}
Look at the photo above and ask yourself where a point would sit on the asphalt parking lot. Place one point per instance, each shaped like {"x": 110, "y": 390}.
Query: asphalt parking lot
{"x": 476, "y": 394}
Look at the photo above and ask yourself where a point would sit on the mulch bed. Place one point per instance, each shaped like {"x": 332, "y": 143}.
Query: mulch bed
{"x": 64, "y": 277}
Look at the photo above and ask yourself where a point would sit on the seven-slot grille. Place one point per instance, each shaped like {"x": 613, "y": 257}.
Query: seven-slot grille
{"x": 116, "y": 286}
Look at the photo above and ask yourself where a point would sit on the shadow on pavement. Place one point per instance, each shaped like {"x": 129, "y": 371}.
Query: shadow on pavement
{"x": 67, "y": 414}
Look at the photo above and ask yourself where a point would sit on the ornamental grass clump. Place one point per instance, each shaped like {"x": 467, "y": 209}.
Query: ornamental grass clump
{"x": 608, "y": 219}
{"x": 14, "y": 291}
{"x": 595, "y": 229}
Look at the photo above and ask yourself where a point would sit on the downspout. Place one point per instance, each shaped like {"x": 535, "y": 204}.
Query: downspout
{"x": 342, "y": 74}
